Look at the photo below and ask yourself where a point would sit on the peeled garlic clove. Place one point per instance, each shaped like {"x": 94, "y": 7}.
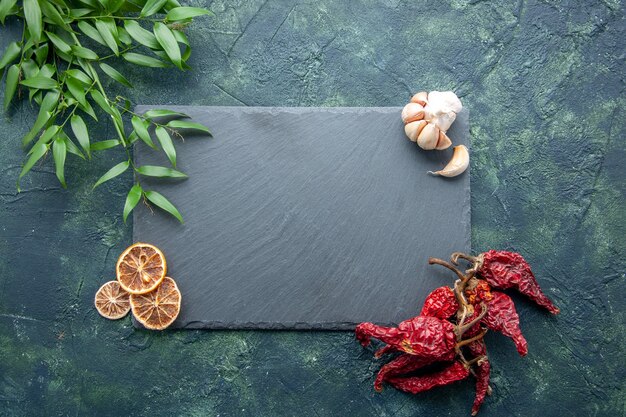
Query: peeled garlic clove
{"x": 420, "y": 98}
{"x": 428, "y": 137}
{"x": 443, "y": 142}
{"x": 457, "y": 165}
{"x": 412, "y": 112}
{"x": 413, "y": 129}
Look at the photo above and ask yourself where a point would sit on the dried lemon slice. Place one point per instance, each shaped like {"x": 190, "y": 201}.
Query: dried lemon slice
{"x": 112, "y": 302}
{"x": 157, "y": 309}
{"x": 141, "y": 268}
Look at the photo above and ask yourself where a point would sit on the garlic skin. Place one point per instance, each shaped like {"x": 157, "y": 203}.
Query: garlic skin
{"x": 444, "y": 141}
{"x": 413, "y": 129}
{"x": 437, "y": 108}
{"x": 412, "y": 112}
{"x": 441, "y": 109}
{"x": 428, "y": 137}
{"x": 457, "y": 165}
{"x": 420, "y": 98}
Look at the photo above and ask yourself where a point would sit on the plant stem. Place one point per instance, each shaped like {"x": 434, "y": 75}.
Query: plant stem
{"x": 130, "y": 48}
{"x": 117, "y": 18}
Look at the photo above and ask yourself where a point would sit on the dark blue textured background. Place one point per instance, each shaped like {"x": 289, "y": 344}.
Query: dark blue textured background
{"x": 544, "y": 81}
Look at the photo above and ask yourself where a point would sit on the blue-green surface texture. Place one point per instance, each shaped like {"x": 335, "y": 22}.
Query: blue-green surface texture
{"x": 544, "y": 81}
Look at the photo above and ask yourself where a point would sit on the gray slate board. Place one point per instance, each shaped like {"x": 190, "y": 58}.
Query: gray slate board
{"x": 305, "y": 218}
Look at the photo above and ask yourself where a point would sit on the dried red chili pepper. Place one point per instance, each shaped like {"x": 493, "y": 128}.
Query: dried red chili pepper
{"x": 482, "y": 371}
{"x": 428, "y": 337}
{"x": 478, "y": 290}
{"x": 437, "y": 336}
{"x": 403, "y": 364}
{"x": 502, "y": 317}
{"x": 504, "y": 270}
{"x": 501, "y": 314}
{"x": 415, "y": 384}
{"x": 441, "y": 303}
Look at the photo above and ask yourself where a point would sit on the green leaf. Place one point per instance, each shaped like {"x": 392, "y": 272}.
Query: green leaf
{"x": 163, "y": 203}
{"x": 80, "y": 131}
{"x": 72, "y": 148}
{"x": 143, "y": 60}
{"x": 74, "y": 13}
{"x": 151, "y": 7}
{"x": 104, "y": 144}
{"x": 114, "y": 5}
{"x": 142, "y": 131}
{"x": 77, "y": 89}
{"x": 113, "y": 73}
{"x": 181, "y": 124}
{"x": 118, "y": 123}
{"x": 141, "y": 35}
{"x": 32, "y": 13}
{"x": 101, "y": 101}
{"x": 46, "y": 71}
{"x": 46, "y": 109}
{"x": 40, "y": 82}
{"x": 133, "y": 197}
{"x": 132, "y": 137}
{"x": 11, "y": 84}
{"x": 79, "y": 75}
{"x": 12, "y": 52}
{"x": 88, "y": 68}
{"x": 123, "y": 35}
{"x": 113, "y": 172}
{"x": 159, "y": 172}
{"x": 91, "y": 3}
{"x": 41, "y": 54}
{"x": 7, "y": 7}
{"x": 89, "y": 110}
{"x": 166, "y": 143}
{"x": 59, "y": 151}
{"x": 41, "y": 121}
{"x": 59, "y": 43}
{"x": 37, "y": 153}
{"x": 82, "y": 52}
{"x": 182, "y": 38}
{"x": 167, "y": 40}
{"x": 151, "y": 114}
{"x": 108, "y": 32}
{"x": 53, "y": 14}
{"x": 29, "y": 68}
{"x": 49, "y": 102}
{"x": 46, "y": 136}
{"x": 181, "y": 13}
{"x": 90, "y": 31}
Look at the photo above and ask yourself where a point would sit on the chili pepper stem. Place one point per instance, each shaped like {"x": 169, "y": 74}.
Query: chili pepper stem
{"x": 448, "y": 265}
{"x": 459, "y": 287}
{"x": 462, "y": 328}
{"x": 471, "y": 339}
{"x": 476, "y": 261}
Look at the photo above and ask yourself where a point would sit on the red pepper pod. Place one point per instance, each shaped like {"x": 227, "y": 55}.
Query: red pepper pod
{"x": 428, "y": 337}
{"x": 415, "y": 384}
{"x": 440, "y": 303}
{"x": 482, "y": 371}
{"x": 502, "y": 317}
{"x": 365, "y": 331}
{"x": 504, "y": 270}
{"x": 403, "y": 364}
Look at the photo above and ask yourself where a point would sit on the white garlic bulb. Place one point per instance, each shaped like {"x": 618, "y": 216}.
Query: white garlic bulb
{"x": 427, "y": 118}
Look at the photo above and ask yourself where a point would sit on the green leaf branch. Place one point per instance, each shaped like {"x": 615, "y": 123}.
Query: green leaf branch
{"x": 59, "y": 61}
